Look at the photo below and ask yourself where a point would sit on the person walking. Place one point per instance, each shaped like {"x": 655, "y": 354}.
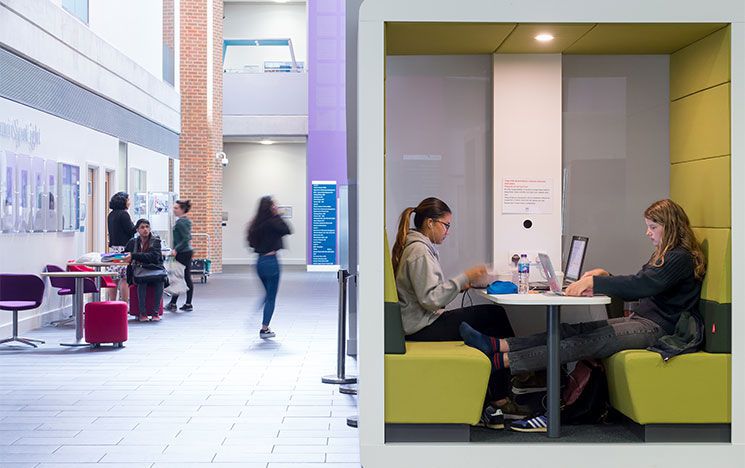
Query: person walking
{"x": 121, "y": 230}
{"x": 265, "y": 233}
{"x": 183, "y": 251}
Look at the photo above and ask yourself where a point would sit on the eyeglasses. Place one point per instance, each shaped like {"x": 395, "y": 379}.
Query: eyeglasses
{"x": 447, "y": 225}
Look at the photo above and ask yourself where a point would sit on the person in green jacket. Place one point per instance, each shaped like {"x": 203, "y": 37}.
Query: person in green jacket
{"x": 183, "y": 251}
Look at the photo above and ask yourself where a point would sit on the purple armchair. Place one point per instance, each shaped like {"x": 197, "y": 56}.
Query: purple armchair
{"x": 20, "y": 292}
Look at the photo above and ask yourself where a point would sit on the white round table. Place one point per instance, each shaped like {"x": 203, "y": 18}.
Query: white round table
{"x": 553, "y": 303}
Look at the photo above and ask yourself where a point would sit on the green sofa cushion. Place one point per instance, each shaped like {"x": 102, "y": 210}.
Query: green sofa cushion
{"x": 688, "y": 389}
{"x": 435, "y": 383}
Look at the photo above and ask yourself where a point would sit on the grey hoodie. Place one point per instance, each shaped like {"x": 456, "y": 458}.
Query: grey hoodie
{"x": 423, "y": 291}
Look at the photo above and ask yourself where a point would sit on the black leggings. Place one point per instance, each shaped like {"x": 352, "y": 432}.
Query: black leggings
{"x": 489, "y": 319}
{"x": 184, "y": 258}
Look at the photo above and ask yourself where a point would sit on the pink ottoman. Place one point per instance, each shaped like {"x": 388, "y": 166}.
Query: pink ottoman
{"x": 106, "y": 322}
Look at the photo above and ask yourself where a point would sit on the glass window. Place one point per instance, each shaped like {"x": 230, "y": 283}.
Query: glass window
{"x": 78, "y": 8}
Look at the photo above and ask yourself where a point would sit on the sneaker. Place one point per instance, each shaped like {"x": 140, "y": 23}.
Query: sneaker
{"x": 513, "y": 410}
{"x": 531, "y": 382}
{"x": 537, "y": 424}
{"x": 171, "y": 306}
{"x": 264, "y": 334}
{"x": 492, "y": 418}
{"x": 187, "y": 308}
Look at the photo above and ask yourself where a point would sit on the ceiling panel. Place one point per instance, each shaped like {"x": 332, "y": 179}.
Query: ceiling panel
{"x": 641, "y": 38}
{"x": 445, "y": 38}
{"x": 522, "y": 39}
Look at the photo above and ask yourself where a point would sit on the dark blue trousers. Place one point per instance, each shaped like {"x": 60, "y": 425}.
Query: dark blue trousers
{"x": 268, "y": 269}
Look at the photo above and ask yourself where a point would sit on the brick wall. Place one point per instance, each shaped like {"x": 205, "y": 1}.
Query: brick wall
{"x": 200, "y": 176}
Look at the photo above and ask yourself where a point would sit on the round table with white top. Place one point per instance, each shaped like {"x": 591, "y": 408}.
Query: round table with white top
{"x": 553, "y": 303}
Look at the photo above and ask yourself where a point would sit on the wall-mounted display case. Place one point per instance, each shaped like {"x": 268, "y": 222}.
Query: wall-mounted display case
{"x": 7, "y": 191}
{"x": 69, "y": 197}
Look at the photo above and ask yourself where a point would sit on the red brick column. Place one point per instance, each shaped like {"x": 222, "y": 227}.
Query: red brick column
{"x": 200, "y": 175}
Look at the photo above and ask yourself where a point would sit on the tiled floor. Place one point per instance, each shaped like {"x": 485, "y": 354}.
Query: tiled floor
{"x": 198, "y": 389}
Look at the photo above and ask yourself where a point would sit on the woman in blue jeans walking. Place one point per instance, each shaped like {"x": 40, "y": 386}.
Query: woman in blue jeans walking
{"x": 265, "y": 235}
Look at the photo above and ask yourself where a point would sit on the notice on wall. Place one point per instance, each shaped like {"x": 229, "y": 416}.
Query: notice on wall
{"x": 323, "y": 223}
{"x": 533, "y": 196}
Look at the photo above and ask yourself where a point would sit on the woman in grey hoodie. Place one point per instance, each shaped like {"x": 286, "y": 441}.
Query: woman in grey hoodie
{"x": 424, "y": 292}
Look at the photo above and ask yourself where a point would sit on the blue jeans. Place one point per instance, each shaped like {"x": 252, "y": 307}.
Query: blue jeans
{"x": 268, "y": 269}
{"x": 588, "y": 340}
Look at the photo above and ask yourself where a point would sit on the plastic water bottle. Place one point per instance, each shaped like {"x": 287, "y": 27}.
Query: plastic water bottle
{"x": 523, "y": 275}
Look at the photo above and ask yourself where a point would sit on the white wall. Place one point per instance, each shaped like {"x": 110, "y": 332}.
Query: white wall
{"x": 527, "y": 144}
{"x": 440, "y": 106}
{"x": 63, "y": 141}
{"x": 254, "y": 171}
{"x": 269, "y": 21}
{"x": 134, "y": 27}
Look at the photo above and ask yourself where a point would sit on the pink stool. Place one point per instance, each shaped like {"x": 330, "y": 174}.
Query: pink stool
{"x": 134, "y": 303}
{"x": 106, "y": 322}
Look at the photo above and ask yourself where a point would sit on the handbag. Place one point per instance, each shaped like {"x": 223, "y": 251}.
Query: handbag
{"x": 176, "y": 279}
{"x": 146, "y": 274}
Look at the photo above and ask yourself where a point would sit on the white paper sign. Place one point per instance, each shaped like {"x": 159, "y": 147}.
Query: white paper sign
{"x": 534, "y": 196}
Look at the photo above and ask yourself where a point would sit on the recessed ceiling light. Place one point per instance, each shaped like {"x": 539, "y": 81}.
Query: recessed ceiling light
{"x": 544, "y": 37}
{"x": 266, "y": 142}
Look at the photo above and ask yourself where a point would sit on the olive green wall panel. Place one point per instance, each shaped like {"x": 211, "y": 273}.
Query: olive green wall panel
{"x": 700, "y": 125}
{"x": 702, "y": 188}
{"x": 391, "y": 294}
{"x": 717, "y": 245}
{"x": 701, "y": 65}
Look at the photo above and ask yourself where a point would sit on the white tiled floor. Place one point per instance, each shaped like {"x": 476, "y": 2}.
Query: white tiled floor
{"x": 198, "y": 389}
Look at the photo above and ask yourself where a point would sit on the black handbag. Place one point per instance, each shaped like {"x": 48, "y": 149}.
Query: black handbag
{"x": 146, "y": 274}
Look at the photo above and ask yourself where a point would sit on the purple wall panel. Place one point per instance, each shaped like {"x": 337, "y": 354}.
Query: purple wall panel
{"x": 327, "y": 144}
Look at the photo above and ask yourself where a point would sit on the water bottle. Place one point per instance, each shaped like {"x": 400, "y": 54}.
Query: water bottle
{"x": 523, "y": 275}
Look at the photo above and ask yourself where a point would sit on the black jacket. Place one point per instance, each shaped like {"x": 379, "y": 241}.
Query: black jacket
{"x": 150, "y": 257}
{"x": 121, "y": 228}
{"x": 267, "y": 236}
{"x": 664, "y": 292}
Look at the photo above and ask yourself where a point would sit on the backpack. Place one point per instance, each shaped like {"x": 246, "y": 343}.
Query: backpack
{"x": 584, "y": 399}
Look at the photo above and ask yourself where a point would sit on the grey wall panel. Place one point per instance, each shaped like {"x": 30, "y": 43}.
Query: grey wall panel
{"x": 29, "y": 84}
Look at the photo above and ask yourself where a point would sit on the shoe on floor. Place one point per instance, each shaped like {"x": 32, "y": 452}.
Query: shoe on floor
{"x": 155, "y": 318}
{"x": 531, "y": 382}
{"x": 492, "y": 418}
{"x": 537, "y": 424}
{"x": 171, "y": 306}
{"x": 187, "y": 308}
{"x": 264, "y": 334}
{"x": 513, "y": 410}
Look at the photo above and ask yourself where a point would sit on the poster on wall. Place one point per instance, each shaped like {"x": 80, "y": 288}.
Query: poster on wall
{"x": 23, "y": 219}
{"x": 527, "y": 196}
{"x": 8, "y": 193}
{"x": 69, "y": 197}
{"x": 49, "y": 201}
{"x": 37, "y": 209}
{"x": 323, "y": 223}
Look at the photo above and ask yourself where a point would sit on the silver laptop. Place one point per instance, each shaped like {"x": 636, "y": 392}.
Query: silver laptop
{"x": 573, "y": 269}
{"x": 548, "y": 271}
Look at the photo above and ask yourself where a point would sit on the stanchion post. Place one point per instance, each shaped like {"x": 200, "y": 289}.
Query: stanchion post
{"x": 340, "y": 378}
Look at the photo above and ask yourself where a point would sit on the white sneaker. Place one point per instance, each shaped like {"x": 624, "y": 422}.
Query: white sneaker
{"x": 264, "y": 334}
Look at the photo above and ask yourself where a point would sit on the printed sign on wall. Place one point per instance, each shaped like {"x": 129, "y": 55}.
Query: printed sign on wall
{"x": 532, "y": 196}
{"x": 323, "y": 224}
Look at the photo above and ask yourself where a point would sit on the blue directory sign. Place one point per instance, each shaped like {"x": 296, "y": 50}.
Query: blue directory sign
{"x": 323, "y": 223}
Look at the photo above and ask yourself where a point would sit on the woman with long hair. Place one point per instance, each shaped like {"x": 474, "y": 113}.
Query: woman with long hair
{"x": 265, "y": 233}
{"x": 668, "y": 284}
{"x": 121, "y": 230}
{"x": 183, "y": 251}
{"x": 424, "y": 291}
{"x": 144, "y": 250}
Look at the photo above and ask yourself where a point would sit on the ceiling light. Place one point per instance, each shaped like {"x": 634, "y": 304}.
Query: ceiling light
{"x": 266, "y": 142}
{"x": 544, "y": 37}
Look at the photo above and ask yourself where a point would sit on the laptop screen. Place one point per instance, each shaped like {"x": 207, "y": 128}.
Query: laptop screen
{"x": 576, "y": 258}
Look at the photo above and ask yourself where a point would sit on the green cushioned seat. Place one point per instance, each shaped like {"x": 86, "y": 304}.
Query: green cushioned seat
{"x": 688, "y": 389}
{"x": 435, "y": 383}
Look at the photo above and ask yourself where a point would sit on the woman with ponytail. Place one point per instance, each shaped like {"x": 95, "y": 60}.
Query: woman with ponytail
{"x": 424, "y": 292}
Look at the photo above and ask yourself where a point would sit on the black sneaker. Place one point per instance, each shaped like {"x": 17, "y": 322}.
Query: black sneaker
{"x": 512, "y": 410}
{"x": 264, "y": 334}
{"x": 171, "y": 306}
{"x": 531, "y": 382}
{"x": 492, "y": 418}
{"x": 187, "y": 308}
